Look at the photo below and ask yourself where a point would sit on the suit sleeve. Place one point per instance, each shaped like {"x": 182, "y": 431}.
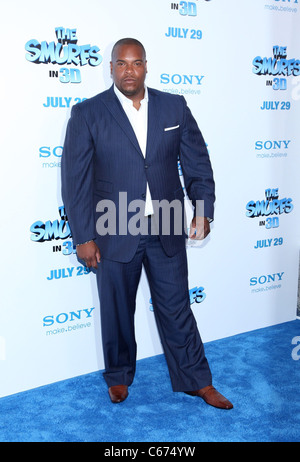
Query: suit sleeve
{"x": 78, "y": 177}
{"x": 196, "y": 166}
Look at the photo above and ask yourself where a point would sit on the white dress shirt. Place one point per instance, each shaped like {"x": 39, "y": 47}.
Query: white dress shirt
{"x": 139, "y": 123}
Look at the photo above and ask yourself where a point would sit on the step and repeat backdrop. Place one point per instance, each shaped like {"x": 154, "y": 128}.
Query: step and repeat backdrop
{"x": 238, "y": 66}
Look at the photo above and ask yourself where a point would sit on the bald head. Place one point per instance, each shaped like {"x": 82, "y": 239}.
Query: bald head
{"x": 127, "y": 41}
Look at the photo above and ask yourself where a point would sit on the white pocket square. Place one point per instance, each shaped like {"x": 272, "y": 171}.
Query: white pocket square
{"x": 171, "y": 128}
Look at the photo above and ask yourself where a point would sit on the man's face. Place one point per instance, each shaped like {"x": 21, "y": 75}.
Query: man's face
{"x": 128, "y": 69}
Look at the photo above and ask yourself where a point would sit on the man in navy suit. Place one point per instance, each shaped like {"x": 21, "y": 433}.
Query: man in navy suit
{"x": 121, "y": 154}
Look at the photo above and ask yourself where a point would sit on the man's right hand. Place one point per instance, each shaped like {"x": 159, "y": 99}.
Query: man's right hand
{"x": 89, "y": 253}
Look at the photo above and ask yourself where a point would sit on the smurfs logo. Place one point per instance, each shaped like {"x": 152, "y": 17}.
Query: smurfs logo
{"x": 277, "y": 65}
{"x": 197, "y": 295}
{"x": 48, "y": 231}
{"x": 65, "y": 51}
{"x": 269, "y": 207}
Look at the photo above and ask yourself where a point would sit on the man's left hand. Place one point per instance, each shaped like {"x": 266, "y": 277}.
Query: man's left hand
{"x": 199, "y": 228}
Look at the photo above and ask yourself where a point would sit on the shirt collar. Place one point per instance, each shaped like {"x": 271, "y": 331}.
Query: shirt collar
{"x": 124, "y": 100}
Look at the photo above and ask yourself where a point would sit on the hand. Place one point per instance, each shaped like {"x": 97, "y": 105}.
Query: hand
{"x": 89, "y": 253}
{"x": 199, "y": 228}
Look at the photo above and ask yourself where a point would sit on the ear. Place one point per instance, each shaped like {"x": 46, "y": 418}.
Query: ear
{"x": 111, "y": 67}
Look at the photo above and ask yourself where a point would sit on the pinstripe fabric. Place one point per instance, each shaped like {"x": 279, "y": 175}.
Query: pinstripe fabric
{"x": 182, "y": 344}
{"x": 102, "y": 158}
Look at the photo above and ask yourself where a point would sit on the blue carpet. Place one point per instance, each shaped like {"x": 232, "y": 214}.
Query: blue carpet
{"x": 254, "y": 370}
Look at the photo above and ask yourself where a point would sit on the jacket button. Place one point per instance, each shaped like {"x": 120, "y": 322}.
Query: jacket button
{"x": 146, "y": 166}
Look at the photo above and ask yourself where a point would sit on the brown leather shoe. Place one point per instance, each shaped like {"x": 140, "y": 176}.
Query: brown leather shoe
{"x": 118, "y": 393}
{"x": 212, "y": 396}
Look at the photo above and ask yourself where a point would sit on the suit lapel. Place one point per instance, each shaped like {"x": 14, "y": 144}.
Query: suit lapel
{"x": 153, "y": 119}
{"x": 114, "y": 106}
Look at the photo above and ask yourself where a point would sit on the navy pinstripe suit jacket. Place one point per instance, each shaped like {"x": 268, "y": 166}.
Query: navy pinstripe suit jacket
{"x": 102, "y": 158}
